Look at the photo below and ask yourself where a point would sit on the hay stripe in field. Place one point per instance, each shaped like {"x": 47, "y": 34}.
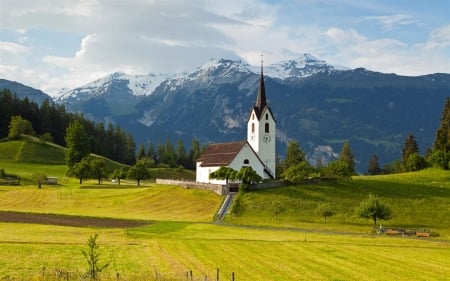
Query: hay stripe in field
{"x": 65, "y": 220}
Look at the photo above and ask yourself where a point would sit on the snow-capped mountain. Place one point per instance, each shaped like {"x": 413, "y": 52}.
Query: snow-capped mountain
{"x": 137, "y": 85}
{"x": 313, "y": 102}
{"x": 300, "y": 67}
{"x": 115, "y": 94}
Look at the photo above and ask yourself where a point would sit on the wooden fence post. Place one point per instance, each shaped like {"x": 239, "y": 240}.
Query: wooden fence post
{"x": 232, "y": 276}
{"x": 217, "y": 274}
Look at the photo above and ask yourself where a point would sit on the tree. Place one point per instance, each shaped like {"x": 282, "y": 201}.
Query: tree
{"x": 298, "y": 172}
{"x": 39, "y": 178}
{"x": 415, "y": 162}
{"x": 372, "y": 208}
{"x": 141, "y": 153}
{"x": 374, "y": 167}
{"x": 139, "y": 171}
{"x": 276, "y": 207}
{"x": 346, "y": 156}
{"x": 247, "y": 175}
{"x": 225, "y": 173}
{"x": 337, "y": 169}
{"x": 440, "y": 156}
{"x": 19, "y": 126}
{"x": 77, "y": 143}
{"x": 295, "y": 167}
{"x": 294, "y": 154}
{"x": 119, "y": 174}
{"x": 92, "y": 256}
{"x": 97, "y": 166}
{"x": 81, "y": 170}
{"x": 47, "y": 137}
{"x": 181, "y": 156}
{"x": 194, "y": 154}
{"x": 410, "y": 147}
{"x": 325, "y": 211}
{"x": 442, "y": 140}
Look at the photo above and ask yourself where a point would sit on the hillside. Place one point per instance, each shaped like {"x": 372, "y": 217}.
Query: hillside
{"x": 417, "y": 200}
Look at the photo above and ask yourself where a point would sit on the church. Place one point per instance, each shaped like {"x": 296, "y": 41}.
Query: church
{"x": 258, "y": 151}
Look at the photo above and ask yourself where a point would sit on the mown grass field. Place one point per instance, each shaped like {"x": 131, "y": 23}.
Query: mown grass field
{"x": 181, "y": 235}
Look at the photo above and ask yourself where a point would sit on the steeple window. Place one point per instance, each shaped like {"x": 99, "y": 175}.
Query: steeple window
{"x": 266, "y": 127}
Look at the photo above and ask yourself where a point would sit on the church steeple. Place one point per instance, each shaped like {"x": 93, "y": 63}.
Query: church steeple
{"x": 261, "y": 102}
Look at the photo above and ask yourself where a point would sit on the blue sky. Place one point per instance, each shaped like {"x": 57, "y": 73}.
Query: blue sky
{"x": 53, "y": 44}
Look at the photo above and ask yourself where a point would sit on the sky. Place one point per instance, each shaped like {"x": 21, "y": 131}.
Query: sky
{"x": 54, "y": 44}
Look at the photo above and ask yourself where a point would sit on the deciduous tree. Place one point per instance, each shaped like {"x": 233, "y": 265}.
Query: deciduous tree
{"x": 225, "y": 173}
{"x": 19, "y": 126}
{"x": 373, "y": 209}
{"x": 77, "y": 143}
{"x": 139, "y": 171}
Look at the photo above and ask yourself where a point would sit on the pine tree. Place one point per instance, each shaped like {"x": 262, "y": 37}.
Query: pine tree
{"x": 374, "y": 167}
{"x": 346, "y": 156}
{"x": 442, "y": 141}
{"x": 141, "y": 153}
{"x": 410, "y": 147}
{"x": 294, "y": 154}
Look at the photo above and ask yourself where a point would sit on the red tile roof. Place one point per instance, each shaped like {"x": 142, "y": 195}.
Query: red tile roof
{"x": 220, "y": 154}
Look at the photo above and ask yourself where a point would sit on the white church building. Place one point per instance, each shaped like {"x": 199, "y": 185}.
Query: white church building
{"x": 258, "y": 151}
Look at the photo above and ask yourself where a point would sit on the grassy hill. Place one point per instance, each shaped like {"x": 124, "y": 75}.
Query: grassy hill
{"x": 28, "y": 156}
{"x": 417, "y": 200}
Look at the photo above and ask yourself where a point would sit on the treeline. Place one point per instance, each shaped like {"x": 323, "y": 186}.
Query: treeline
{"x": 52, "y": 119}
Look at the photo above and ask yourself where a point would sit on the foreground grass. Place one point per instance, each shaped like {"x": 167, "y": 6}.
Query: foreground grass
{"x": 173, "y": 248}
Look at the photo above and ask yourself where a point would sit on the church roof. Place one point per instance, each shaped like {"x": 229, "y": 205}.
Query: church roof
{"x": 220, "y": 154}
{"x": 261, "y": 102}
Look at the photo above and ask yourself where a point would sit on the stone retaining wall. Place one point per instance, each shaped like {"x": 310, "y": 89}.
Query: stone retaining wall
{"x": 217, "y": 188}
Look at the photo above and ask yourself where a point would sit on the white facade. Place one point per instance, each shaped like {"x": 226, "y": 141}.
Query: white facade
{"x": 245, "y": 157}
{"x": 261, "y": 134}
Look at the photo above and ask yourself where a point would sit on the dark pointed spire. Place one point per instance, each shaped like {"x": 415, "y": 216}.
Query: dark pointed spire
{"x": 261, "y": 98}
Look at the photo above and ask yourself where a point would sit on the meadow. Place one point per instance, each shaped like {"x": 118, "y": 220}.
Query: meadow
{"x": 180, "y": 234}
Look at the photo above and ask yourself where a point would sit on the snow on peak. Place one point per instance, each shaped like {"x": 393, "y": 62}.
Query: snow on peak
{"x": 302, "y": 66}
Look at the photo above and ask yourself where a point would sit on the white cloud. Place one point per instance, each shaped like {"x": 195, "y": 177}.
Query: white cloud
{"x": 439, "y": 39}
{"x": 389, "y": 22}
{"x": 171, "y": 36}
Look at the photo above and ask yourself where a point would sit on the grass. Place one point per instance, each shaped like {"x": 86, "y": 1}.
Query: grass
{"x": 255, "y": 245}
{"x": 417, "y": 200}
{"x": 173, "y": 248}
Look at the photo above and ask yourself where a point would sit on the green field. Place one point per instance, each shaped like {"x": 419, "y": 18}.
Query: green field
{"x": 255, "y": 245}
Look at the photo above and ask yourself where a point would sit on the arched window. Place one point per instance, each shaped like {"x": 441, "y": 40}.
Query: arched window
{"x": 267, "y": 116}
{"x": 246, "y": 162}
{"x": 253, "y": 127}
{"x": 266, "y": 128}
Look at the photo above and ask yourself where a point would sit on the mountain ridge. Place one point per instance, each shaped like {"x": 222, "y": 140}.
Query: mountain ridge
{"x": 317, "y": 104}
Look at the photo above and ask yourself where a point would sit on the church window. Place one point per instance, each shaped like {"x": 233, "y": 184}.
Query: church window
{"x": 253, "y": 127}
{"x": 267, "y": 116}
{"x": 246, "y": 162}
{"x": 253, "y": 116}
{"x": 266, "y": 128}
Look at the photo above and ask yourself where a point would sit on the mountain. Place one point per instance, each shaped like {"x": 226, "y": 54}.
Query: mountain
{"x": 320, "y": 109}
{"x": 23, "y": 91}
{"x": 313, "y": 102}
{"x": 113, "y": 95}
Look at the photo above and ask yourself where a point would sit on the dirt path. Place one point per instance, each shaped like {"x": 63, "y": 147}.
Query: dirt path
{"x": 65, "y": 220}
